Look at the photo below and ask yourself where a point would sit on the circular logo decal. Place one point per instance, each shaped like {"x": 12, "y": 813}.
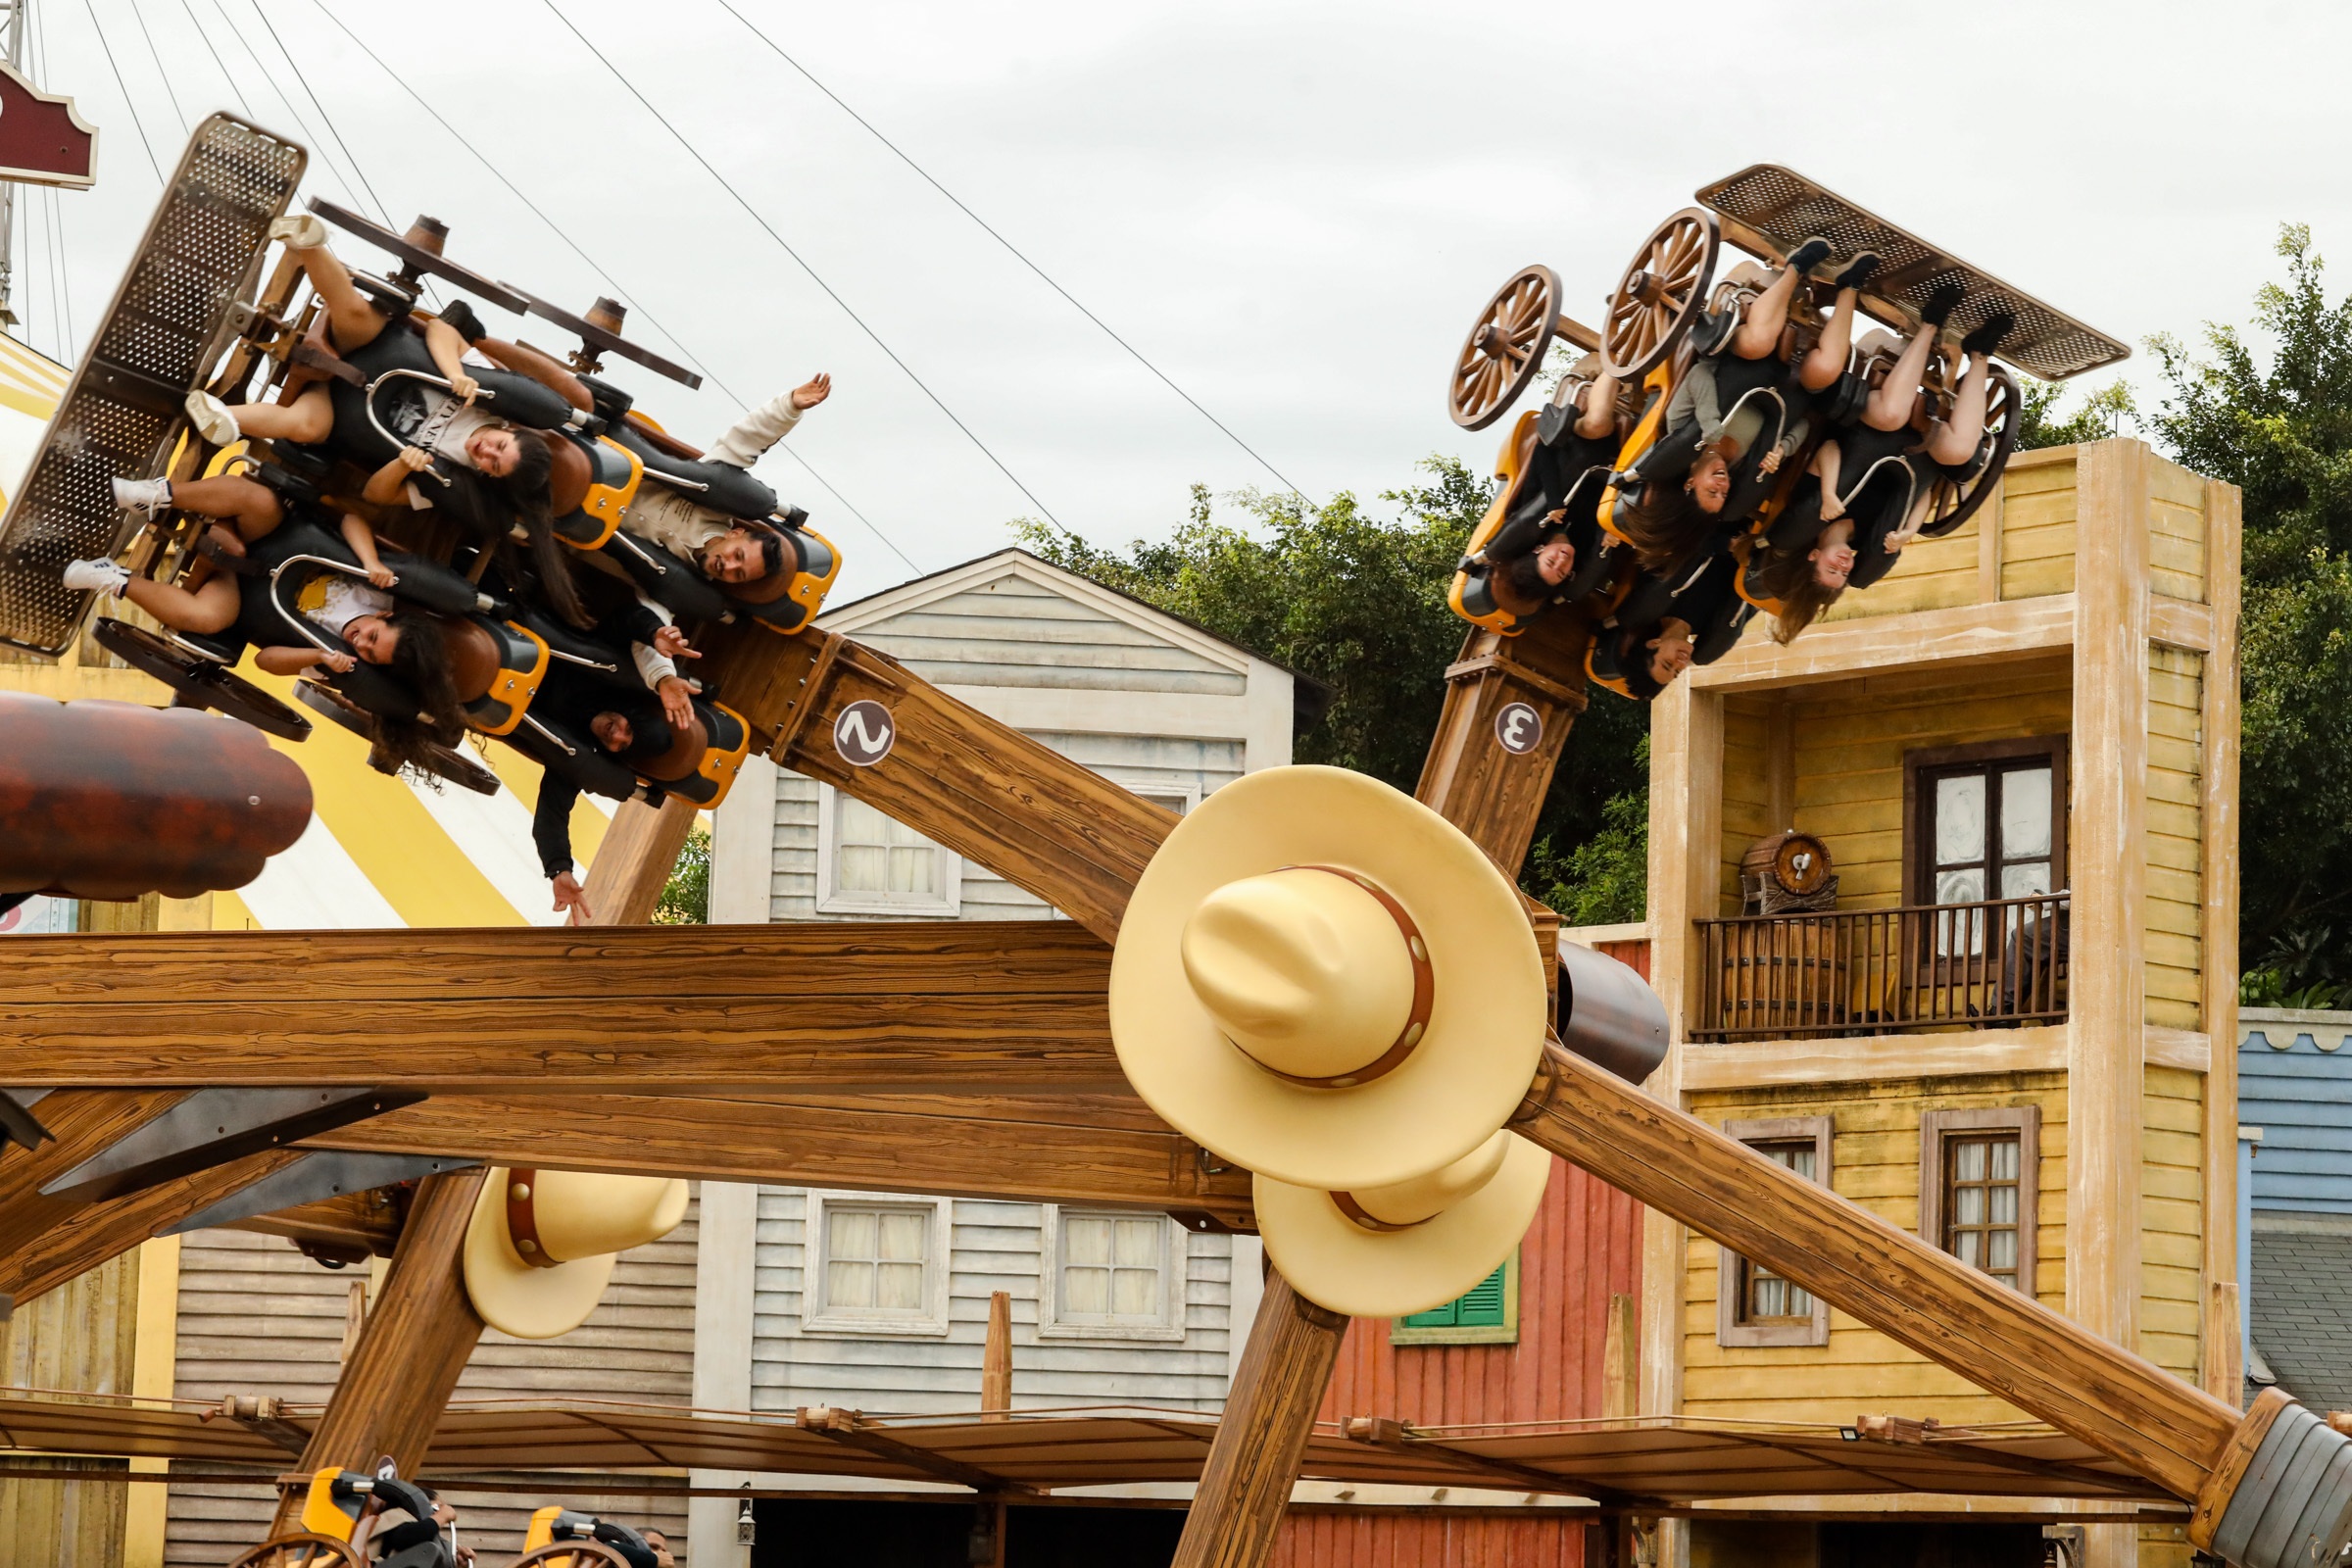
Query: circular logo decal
{"x": 865, "y": 733}
{"x": 1518, "y": 728}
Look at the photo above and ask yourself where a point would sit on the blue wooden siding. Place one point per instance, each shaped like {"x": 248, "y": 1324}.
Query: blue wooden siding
{"x": 2294, "y": 1082}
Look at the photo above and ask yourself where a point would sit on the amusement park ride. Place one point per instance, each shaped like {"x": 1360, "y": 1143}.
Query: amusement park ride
{"x": 1357, "y": 1029}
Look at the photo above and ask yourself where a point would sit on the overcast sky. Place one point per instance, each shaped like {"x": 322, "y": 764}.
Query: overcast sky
{"x": 1291, "y": 209}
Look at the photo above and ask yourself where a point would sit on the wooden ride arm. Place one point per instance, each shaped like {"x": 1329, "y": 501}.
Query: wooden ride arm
{"x": 983, "y": 789}
{"x": 2006, "y": 1341}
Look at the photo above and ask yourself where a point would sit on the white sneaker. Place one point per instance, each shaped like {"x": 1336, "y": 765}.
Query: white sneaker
{"x": 96, "y": 577}
{"x": 300, "y": 231}
{"x": 149, "y": 498}
{"x": 213, "y": 419}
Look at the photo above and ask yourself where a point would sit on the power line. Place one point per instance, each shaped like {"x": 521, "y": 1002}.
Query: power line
{"x": 559, "y": 232}
{"x": 802, "y": 261}
{"x": 350, "y": 186}
{"x": 61, "y": 286}
{"x": 219, "y": 64}
{"x": 1018, "y": 255}
{"x": 124, "y": 88}
{"x": 153, "y": 53}
{"x": 383, "y": 212}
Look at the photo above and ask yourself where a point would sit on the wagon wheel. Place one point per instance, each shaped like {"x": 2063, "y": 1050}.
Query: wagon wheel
{"x": 444, "y": 761}
{"x": 571, "y": 1555}
{"x": 2003, "y": 409}
{"x": 305, "y": 1551}
{"x": 1505, "y": 349}
{"x": 1662, "y": 292}
{"x": 198, "y": 682}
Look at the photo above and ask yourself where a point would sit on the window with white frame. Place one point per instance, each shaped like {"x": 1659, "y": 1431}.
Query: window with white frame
{"x": 1111, "y": 1275}
{"x": 1176, "y": 797}
{"x": 868, "y": 862}
{"x": 875, "y": 1267}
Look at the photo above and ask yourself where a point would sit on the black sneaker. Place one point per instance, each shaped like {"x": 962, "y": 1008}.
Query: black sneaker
{"x": 1811, "y": 253}
{"x": 1942, "y": 301}
{"x": 1988, "y": 334}
{"x": 1858, "y": 269}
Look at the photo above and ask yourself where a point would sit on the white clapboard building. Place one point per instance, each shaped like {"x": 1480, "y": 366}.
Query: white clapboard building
{"x": 879, "y": 1301}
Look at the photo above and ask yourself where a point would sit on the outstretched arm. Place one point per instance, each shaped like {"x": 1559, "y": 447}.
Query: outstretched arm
{"x": 294, "y": 661}
{"x": 447, "y": 346}
{"x": 362, "y": 539}
{"x": 551, "y": 835}
{"x": 544, "y": 369}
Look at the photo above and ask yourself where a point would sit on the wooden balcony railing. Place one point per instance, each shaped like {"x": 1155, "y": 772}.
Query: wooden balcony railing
{"x": 1872, "y": 971}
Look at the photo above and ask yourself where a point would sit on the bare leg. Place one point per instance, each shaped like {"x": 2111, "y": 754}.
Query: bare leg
{"x": 351, "y": 321}
{"x": 210, "y": 608}
{"x": 251, "y": 506}
{"x": 1767, "y": 318}
{"x": 307, "y": 420}
{"x": 1890, "y": 407}
{"x": 1954, "y": 440}
{"x": 1597, "y": 417}
{"x": 1827, "y": 360}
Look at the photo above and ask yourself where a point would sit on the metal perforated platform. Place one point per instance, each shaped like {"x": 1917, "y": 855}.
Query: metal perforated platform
{"x": 1785, "y": 209}
{"x": 121, "y": 412}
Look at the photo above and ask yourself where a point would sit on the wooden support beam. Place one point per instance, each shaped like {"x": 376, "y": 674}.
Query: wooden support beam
{"x": 81, "y": 1122}
{"x": 415, "y": 1345}
{"x": 633, "y": 863}
{"x": 366, "y": 1222}
{"x": 1065, "y": 1149}
{"x": 981, "y": 788}
{"x": 996, "y": 1358}
{"x": 1916, "y": 1294}
{"x": 1244, "y": 1488}
{"x": 1473, "y": 779}
{"x": 1012, "y": 1004}
{"x": 848, "y": 1429}
{"x": 77, "y": 1238}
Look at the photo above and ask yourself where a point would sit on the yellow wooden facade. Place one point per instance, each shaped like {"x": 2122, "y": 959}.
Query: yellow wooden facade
{"x": 2095, "y": 599}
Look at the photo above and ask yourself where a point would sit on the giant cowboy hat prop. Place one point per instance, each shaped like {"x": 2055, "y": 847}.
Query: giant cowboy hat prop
{"x": 541, "y": 1246}
{"x": 1322, "y": 980}
{"x": 1390, "y": 1252}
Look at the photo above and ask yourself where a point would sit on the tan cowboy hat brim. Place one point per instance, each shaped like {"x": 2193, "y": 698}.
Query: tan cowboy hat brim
{"x": 532, "y": 1303}
{"x": 1485, "y": 1036}
{"x": 1337, "y": 1263}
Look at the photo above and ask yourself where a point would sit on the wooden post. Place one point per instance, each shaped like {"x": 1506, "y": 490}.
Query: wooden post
{"x": 1244, "y": 1490}
{"x": 77, "y": 1238}
{"x": 1472, "y": 777}
{"x": 411, "y": 1351}
{"x": 2222, "y": 1364}
{"x": 996, "y": 1358}
{"x": 633, "y": 863}
{"x": 1621, "y": 1360}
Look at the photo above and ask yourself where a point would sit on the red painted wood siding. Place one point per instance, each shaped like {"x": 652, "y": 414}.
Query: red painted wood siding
{"x": 1584, "y": 1246}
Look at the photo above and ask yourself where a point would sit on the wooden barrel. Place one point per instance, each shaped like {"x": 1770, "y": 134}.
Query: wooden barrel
{"x": 1796, "y": 864}
{"x": 1781, "y": 976}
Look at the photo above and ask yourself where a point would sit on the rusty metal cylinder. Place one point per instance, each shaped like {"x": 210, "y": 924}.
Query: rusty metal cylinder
{"x": 1608, "y": 1015}
{"x": 102, "y": 800}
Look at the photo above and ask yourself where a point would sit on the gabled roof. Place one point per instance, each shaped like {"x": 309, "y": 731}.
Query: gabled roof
{"x": 1014, "y": 562}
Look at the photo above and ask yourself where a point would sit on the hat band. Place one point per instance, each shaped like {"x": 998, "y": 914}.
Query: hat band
{"x": 522, "y": 1217}
{"x": 1347, "y": 1204}
{"x": 1425, "y": 990}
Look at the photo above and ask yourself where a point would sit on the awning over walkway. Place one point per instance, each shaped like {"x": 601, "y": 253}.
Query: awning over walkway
{"x": 1660, "y": 1459}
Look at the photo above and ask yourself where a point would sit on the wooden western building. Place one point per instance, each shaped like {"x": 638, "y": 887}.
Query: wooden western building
{"x": 2011, "y": 1025}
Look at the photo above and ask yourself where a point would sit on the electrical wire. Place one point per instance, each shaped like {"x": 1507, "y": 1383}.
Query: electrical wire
{"x": 219, "y": 64}
{"x": 1015, "y": 250}
{"x": 60, "y": 281}
{"x": 559, "y": 232}
{"x": 802, "y": 261}
{"x": 169, "y": 92}
{"x": 349, "y": 186}
{"x": 124, "y": 88}
{"x": 383, "y": 212}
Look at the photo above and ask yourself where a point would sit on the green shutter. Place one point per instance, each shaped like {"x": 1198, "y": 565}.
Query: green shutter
{"x": 1482, "y": 1306}
{"x": 1437, "y": 1317}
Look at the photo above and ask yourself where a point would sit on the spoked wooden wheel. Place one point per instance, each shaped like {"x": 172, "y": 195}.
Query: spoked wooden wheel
{"x": 1661, "y": 294}
{"x": 1505, "y": 349}
{"x": 2003, "y": 411}
{"x": 444, "y": 761}
{"x": 572, "y": 1554}
{"x": 198, "y": 682}
{"x": 300, "y": 1551}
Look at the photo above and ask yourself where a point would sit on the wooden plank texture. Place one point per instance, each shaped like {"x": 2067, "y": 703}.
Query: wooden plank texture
{"x": 916, "y": 1005}
{"x": 1041, "y": 1149}
{"x": 80, "y": 1237}
{"x": 1470, "y": 779}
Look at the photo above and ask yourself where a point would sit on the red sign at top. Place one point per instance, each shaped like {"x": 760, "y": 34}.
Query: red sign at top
{"x": 43, "y": 141}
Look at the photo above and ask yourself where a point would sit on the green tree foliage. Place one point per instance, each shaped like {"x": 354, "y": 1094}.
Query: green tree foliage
{"x": 686, "y": 897}
{"x": 2280, "y": 427}
{"x": 1358, "y": 602}
{"x": 2103, "y": 415}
